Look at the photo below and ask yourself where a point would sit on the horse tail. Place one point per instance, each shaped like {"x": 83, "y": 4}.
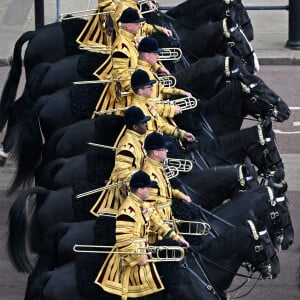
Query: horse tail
{"x": 17, "y": 225}
{"x": 51, "y": 170}
{"x": 35, "y": 78}
{"x": 50, "y": 151}
{"x": 28, "y": 149}
{"x": 35, "y": 285}
{"x": 11, "y": 85}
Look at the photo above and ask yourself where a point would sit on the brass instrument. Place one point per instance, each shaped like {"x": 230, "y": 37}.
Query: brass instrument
{"x": 182, "y": 165}
{"x": 185, "y": 103}
{"x": 91, "y": 192}
{"x": 162, "y": 253}
{"x": 171, "y": 172}
{"x": 102, "y": 146}
{"x": 83, "y": 14}
{"x": 193, "y": 227}
{"x": 99, "y": 81}
{"x": 95, "y": 48}
{"x": 167, "y": 81}
{"x": 170, "y": 54}
{"x": 141, "y": 2}
{"x": 108, "y": 111}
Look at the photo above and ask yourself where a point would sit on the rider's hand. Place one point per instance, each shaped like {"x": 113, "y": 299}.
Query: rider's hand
{"x": 182, "y": 242}
{"x": 143, "y": 261}
{"x": 186, "y": 199}
{"x": 189, "y": 137}
{"x": 167, "y": 32}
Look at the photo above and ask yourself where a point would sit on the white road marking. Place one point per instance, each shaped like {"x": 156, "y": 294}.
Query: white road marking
{"x": 286, "y": 132}
{"x": 294, "y": 107}
{"x": 296, "y": 123}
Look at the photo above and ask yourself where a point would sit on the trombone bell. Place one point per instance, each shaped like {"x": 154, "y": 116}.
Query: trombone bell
{"x": 184, "y": 103}
{"x": 170, "y": 54}
{"x": 167, "y": 81}
{"x": 142, "y": 2}
{"x": 190, "y": 227}
{"x": 171, "y": 172}
{"x": 182, "y": 165}
{"x": 156, "y": 253}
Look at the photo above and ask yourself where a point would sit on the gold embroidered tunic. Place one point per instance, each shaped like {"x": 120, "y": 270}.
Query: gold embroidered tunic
{"x": 120, "y": 274}
{"x": 119, "y": 66}
{"x": 163, "y": 194}
{"x": 129, "y": 158}
{"x": 157, "y": 123}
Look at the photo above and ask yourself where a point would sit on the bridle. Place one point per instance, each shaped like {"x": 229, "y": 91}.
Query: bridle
{"x": 199, "y": 260}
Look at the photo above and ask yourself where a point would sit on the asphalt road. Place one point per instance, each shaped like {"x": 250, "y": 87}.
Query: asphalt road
{"x": 285, "y": 81}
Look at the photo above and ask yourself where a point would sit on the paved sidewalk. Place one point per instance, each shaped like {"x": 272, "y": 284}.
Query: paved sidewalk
{"x": 270, "y": 27}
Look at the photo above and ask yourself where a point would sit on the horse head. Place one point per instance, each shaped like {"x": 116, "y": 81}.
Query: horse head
{"x": 264, "y": 100}
{"x": 243, "y": 18}
{"x": 261, "y": 254}
{"x": 240, "y": 45}
{"x": 279, "y": 216}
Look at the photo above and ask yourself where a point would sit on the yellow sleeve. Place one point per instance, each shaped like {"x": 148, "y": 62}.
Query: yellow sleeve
{"x": 166, "y": 128}
{"x": 177, "y": 194}
{"x": 121, "y": 72}
{"x": 162, "y": 229}
{"x": 125, "y": 228}
{"x": 148, "y": 29}
{"x": 124, "y": 165}
{"x": 166, "y": 110}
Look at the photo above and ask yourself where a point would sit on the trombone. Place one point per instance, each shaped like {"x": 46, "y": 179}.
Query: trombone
{"x": 182, "y": 165}
{"x": 103, "y": 188}
{"x": 84, "y": 14}
{"x": 185, "y": 103}
{"x": 160, "y": 253}
{"x": 170, "y": 54}
{"x": 142, "y": 2}
{"x": 196, "y": 228}
{"x": 171, "y": 172}
{"x": 167, "y": 81}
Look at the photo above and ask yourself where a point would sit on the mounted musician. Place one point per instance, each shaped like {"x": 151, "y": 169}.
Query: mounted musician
{"x": 134, "y": 221}
{"x": 162, "y": 195}
{"x": 129, "y": 157}
{"x": 116, "y": 69}
{"x": 103, "y": 26}
{"x": 142, "y": 89}
{"x": 148, "y": 61}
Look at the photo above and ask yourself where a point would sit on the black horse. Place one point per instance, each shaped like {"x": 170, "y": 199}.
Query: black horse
{"x": 202, "y": 266}
{"x": 58, "y": 243}
{"x": 61, "y": 205}
{"x": 31, "y": 138}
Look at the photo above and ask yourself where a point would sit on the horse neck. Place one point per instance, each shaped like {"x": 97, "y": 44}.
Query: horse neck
{"x": 224, "y": 255}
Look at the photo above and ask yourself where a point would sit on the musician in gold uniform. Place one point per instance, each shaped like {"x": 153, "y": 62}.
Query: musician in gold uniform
{"x": 129, "y": 157}
{"x": 102, "y": 28}
{"x": 119, "y": 66}
{"x": 142, "y": 88}
{"x": 130, "y": 274}
{"x": 154, "y": 166}
{"x": 148, "y": 61}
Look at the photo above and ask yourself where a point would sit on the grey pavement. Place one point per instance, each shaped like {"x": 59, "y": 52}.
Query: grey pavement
{"x": 270, "y": 27}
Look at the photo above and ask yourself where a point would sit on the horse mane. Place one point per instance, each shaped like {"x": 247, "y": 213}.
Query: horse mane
{"x": 187, "y": 7}
{"x": 71, "y": 29}
{"x": 82, "y": 206}
{"x": 84, "y": 99}
{"x": 88, "y": 62}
